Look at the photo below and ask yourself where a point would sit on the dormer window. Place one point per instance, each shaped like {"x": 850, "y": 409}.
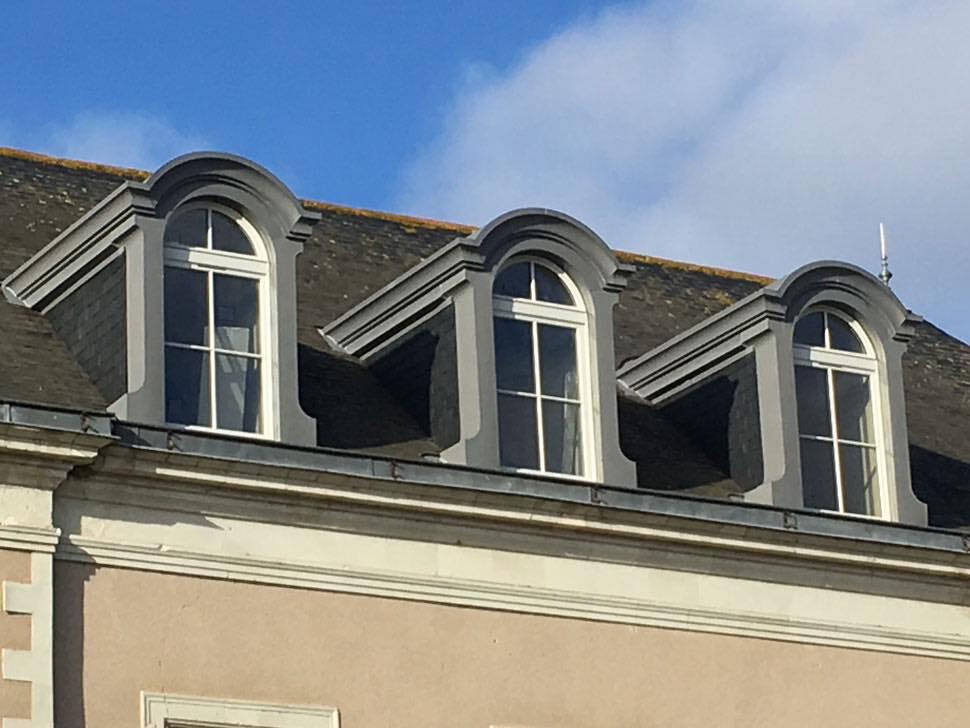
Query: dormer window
{"x": 807, "y": 376}
{"x": 215, "y": 291}
{"x": 201, "y": 261}
{"x": 515, "y": 322}
{"x": 835, "y": 371}
{"x": 540, "y": 360}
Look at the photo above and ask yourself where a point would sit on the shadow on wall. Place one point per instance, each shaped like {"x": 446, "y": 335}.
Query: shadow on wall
{"x": 943, "y": 483}
{"x": 70, "y": 580}
{"x": 352, "y": 408}
{"x": 666, "y": 458}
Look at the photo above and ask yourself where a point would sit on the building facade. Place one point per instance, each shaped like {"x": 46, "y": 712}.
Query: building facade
{"x": 271, "y": 462}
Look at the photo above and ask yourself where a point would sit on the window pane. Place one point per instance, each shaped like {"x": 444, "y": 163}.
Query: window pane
{"x": 514, "y": 281}
{"x": 812, "y": 393}
{"x": 236, "y": 313}
{"x": 186, "y": 306}
{"x": 810, "y": 330}
{"x": 557, "y": 361}
{"x": 818, "y": 475}
{"x": 237, "y": 393}
{"x": 842, "y": 336}
{"x": 858, "y": 479}
{"x": 517, "y": 430}
{"x": 513, "y": 355}
{"x": 561, "y": 437}
{"x": 227, "y": 235}
{"x": 186, "y": 386}
{"x": 853, "y": 407}
{"x": 549, "y": 287}
{"x": 188, "y": 228}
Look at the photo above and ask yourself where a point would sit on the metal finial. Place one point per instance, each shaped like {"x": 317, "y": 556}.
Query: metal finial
{"x": 884, "y": 273}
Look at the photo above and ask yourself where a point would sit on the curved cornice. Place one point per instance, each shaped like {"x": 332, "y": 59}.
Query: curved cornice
{"x": 89, "y": 241}
{"x": 536, "y": 223}
{"x": 844, "y": 283}
{"x": 193, "y": 174}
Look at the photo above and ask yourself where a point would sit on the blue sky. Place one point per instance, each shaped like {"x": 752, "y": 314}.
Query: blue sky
{"x": 748, "y": 134}
{"x": 332, "y": 97}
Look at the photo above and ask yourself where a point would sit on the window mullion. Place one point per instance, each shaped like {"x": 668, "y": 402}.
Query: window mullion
{"x": 210, "y": 282}
{"x": 830, "y": 378}
{"x": 540, "y": 430}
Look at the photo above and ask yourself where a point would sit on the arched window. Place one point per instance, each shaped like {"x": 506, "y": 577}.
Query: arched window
{"x": 216, "y": 337}
{"x": 541, "y": 370}
{"x": 838, "y": 423}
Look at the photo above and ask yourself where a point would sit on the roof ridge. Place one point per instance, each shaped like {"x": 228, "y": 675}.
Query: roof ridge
{"x": 407, "y": 220}
{"x": 628, "y": 257}
{"x": 391, "y": 216}
{"x": 127, "y": 172}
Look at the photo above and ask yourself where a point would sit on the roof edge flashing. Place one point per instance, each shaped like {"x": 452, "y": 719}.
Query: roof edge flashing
{"x": 863, "y": 290}
{"x": 387, "y": 313}
{"x": 839, "y": 531}
{"x": 64, "y": 259}
{"x": 717, "y": 338}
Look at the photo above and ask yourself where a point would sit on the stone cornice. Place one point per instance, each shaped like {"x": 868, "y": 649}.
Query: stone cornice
{"x": 796, "y": 538}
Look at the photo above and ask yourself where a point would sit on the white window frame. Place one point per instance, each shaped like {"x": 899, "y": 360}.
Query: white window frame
{"x": 866, "y": 364}
{"x": 256, "y": 267}
{"x": 574, "y": 317}
{"x": 161, "y": 710}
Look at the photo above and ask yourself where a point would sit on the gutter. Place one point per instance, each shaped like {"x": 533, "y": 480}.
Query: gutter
{"x": 949, "y": 545}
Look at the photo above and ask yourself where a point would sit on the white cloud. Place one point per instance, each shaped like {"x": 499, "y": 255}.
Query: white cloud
{"x": 750, "y": 134}
{"x": 127, "y": 139}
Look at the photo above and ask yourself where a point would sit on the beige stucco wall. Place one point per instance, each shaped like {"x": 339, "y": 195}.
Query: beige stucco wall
{"x": 14, "y": 634}
{"x": 385, "y": 662}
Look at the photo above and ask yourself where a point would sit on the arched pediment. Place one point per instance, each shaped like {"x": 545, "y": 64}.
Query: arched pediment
{"x": 563, "y": 238}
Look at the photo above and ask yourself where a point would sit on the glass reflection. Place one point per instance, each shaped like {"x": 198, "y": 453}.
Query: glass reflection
{"x": 561, "y": 437}
{"x": 518, "y": 432}
{"x": 187, "y": 386}
{"x": 514, "y": 281}
{"x": 812, "y": 398}
{"x": 818, "y": 475}
{"x": 236, "y": 313}
{"x": 550, "y": 288}
{"x": 853, "y": 407}
{"x": 858, "y": 478}
{"x": 514, "y": 368}
{"x": 842, "y": 337}
{"x": 227, "y": 235}
{"x": 810, "y": 330}
{"x": 557, "y": 361}
{"x": 186, "y": 306}
{"x": 237, "y": 393}
{"x": 189, "y": 228}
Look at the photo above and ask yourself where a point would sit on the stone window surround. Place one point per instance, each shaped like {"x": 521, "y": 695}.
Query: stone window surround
{"x": 461, "y": 275}
{"x": 573, "y": 317}
{"x": 161, "y": 710}
{"x": 254, "y": 267}
{"x": 131, "y": 220}
{"x": 763, "y": 324}
{"x": 835, "y": 361}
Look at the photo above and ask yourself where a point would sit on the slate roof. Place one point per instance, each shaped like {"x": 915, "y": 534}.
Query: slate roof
{"x": 351, "y": 253}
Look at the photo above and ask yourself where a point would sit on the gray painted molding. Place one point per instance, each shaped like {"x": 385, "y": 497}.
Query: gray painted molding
{"x": 763, "y": 323}
{"x": 133, "y": 217}
{"x": 462, "y": 273}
